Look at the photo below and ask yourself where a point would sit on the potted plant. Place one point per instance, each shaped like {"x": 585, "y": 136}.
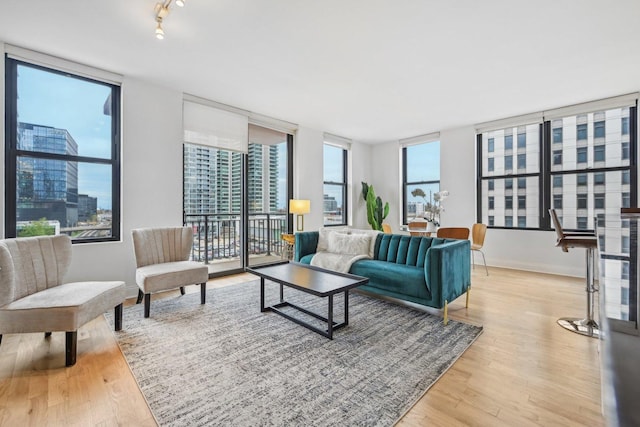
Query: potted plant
{"x": 376, "y": 212}
{"x": 432, "y": 206}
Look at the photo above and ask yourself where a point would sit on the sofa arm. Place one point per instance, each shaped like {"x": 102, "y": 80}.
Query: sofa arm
{"x": 447, "y": 270}
{"x": 306, "y": 243}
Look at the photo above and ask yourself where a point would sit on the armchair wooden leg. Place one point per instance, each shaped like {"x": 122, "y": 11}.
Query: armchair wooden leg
{"x": 446, "y": 312}
{"x": 140, "y": 295}
{"x": 468, "y": 292}
{"x": 71, "y": 340}
{"x": 0, "y": 338}
{"x": 181, "y": 290}
{"x": 117, "y": 316}
{"x": 47, "y": 334}
{"x": 147, "y": 304}
{"x": 203, "y": 292}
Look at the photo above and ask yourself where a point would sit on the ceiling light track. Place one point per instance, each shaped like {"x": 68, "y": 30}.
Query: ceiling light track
{"x": 161, "y": 11}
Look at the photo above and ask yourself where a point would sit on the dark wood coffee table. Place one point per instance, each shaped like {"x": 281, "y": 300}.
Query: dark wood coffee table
{"x": 312, "y": 280}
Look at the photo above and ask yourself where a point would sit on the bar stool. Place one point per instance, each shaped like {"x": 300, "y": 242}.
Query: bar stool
{"x": 585, "y": 240}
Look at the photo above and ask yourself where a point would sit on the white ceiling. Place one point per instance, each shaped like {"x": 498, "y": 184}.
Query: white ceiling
{"x": 370, "y": 70}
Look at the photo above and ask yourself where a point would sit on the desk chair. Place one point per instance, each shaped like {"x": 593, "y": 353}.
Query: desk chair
{"x": 584, "y": 240}
{"x": 478, "y": 232}
{"x": 418, "y": 228}
{"x": 453, "y": 233}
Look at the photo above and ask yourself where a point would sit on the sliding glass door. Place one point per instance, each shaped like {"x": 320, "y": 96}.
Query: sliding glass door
{"x": 268, "y": 194}
{"x": 236, "y": 203}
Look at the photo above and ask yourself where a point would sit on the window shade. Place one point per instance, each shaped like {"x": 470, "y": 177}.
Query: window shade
{"x": 421, "y": 139}
{"x": 207, "y": 125}
{"x": 589, "y": 107}
{"x": 48, "y": 61}
{"x": 337, "y": 141}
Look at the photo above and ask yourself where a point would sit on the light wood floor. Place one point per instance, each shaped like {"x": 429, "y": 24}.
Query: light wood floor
{"x": 523, "y": 370}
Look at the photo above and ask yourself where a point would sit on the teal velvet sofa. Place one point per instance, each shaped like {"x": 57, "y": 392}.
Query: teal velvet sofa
{"x": 425, "y": 270}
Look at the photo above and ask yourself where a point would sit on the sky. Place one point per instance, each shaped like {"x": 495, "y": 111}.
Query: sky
{"x": 51, "y": 99}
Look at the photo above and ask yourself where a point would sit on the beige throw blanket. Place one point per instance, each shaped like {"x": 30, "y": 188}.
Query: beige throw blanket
{"x": 342, "y": 251}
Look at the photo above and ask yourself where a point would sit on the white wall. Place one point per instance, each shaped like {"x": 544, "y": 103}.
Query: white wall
{"x": 151, "y": 180}
{"x": 385, "y": 177}
{"x": 359, "y": 170}
{"x": 308, "y": 174}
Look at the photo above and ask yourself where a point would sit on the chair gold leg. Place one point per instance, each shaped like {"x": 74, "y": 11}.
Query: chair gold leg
{"x": 468, "y": 292}
{"x": 446, "y": 312}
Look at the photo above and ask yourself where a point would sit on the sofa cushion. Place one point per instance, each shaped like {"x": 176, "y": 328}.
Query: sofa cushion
{"x": 323, "y": 236}
{"x": 170, "y": 275}
{"x": 307, "y": 259}
{"x": 403, "y": 279}
{"x": 351, "y": 244}
{"x": 61, "y": 308}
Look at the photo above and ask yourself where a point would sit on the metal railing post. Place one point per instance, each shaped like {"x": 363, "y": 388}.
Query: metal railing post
{"x": 206, "y": 239}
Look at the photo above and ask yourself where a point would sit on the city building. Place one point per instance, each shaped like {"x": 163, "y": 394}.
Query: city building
{"x": 87, "y": 208}
{"x": 46, "y": 188}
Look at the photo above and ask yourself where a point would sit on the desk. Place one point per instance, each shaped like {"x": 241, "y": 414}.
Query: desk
{"x": 620, "y": 339}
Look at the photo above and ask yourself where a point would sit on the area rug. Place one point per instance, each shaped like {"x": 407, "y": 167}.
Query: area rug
{"x": 226, "y": 363}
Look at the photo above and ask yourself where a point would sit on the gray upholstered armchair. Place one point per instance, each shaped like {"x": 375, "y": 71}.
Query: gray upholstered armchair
{"x": 33, "y": 297}
{"x": 162, "y": 260}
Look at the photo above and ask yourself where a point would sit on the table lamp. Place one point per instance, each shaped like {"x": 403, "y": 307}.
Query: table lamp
{"x": 299, "y": 207}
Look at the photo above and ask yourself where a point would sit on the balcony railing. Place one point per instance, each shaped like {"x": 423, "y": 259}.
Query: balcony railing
{"x": 216, "y": 237}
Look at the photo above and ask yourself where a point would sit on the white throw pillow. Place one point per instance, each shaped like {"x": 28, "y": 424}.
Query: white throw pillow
{"x": 373, "y": 234}
{"x": 323, "y": 237}
{"x": 349, "y": 244}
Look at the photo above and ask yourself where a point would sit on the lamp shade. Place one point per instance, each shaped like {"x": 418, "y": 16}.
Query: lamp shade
{"x": 299, "y": 207}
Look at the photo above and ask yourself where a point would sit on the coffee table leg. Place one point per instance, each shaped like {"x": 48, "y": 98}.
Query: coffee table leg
{"x": 262, "y": 309}
{"x": 330, "y": 317}
{"x": 281, "y": 293}
{"x": 346, "y": 307}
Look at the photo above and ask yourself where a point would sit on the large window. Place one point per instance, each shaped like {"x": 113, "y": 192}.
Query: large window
{"x": 581, "y": 164}
{"x": 62, "y": 154}
{"x": 335, "y": 184}
{"x": 421, "y": 178}
{"x": 504, "y": 185}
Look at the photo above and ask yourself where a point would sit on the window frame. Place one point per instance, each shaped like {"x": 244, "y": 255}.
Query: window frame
{"x": 344, "y": 184}
{"x": 12, "y": 153}
{"x": 406, "y": 183}
{"x": 548, "y": 177}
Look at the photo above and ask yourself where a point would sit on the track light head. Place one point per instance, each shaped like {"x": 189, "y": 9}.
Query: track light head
{"x": 159, "y": 30}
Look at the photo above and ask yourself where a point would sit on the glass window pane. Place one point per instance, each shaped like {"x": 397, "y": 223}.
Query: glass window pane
{"x": 333, "y": 204}
{"x": 500, "y": 162}
{"x": 333, "y": 164}
{"x": 69, "y": 197}
{"x": 54, "y": 109}
{"x": 607, "y": 146}
{"x": 417, "y": 205}
{"x": 423, "y": 162}
{"x": 523, "y": 198}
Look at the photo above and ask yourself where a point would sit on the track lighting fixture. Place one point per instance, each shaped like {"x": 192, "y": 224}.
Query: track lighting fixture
{"x": 162, "y": 10}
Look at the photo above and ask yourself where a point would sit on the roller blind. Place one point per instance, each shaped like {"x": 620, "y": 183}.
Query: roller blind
{"x": 337, "y": 141}
{"x": 207, "y": 125}
{"x": 49, "y": 61}
{"x": 420, "y": 139}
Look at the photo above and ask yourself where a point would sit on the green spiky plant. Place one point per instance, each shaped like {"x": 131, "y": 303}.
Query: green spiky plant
{"x": 376, "y": 213}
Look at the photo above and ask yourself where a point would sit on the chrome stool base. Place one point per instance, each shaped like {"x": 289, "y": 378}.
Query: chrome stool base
{"x": 584, "y": 327}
